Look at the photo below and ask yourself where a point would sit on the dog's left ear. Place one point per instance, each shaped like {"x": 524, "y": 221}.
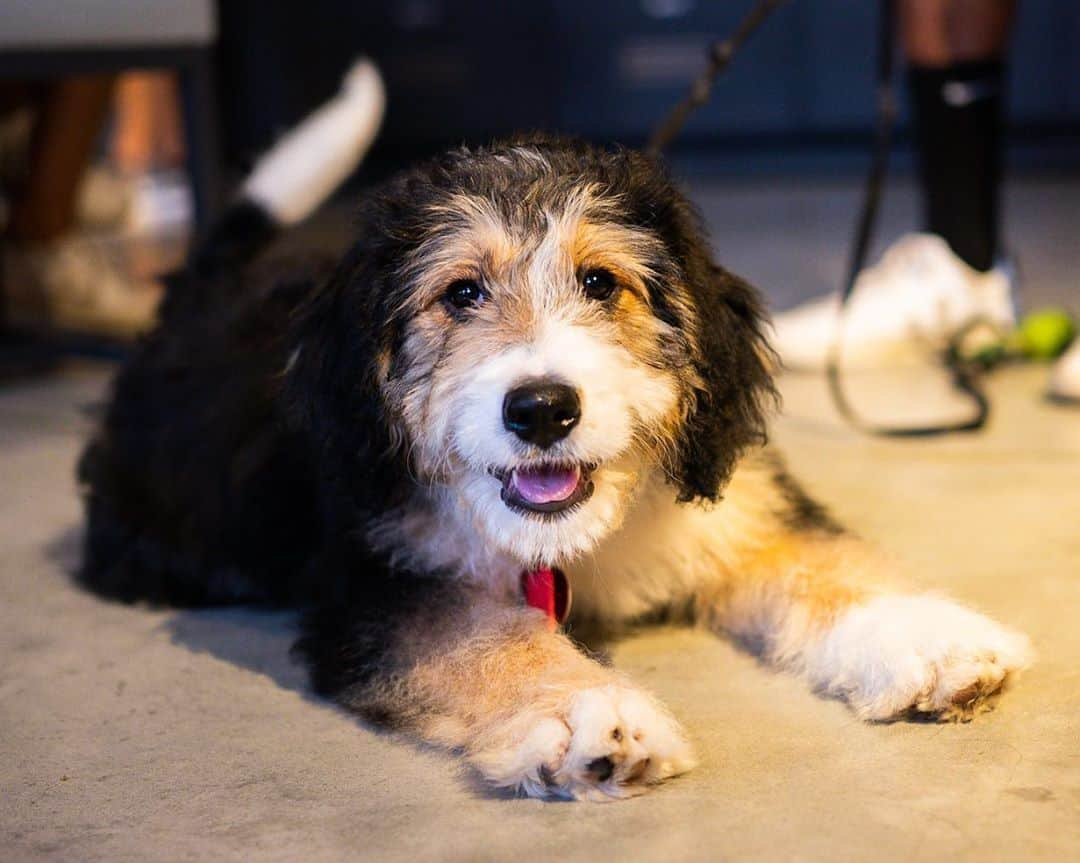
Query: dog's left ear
{"x": 732, "y": 359}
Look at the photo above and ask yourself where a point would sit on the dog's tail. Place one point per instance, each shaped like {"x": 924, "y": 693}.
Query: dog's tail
{"x": 298, "y": 173}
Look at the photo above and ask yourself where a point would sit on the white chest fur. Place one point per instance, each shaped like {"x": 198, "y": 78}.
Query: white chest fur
{"x": 662, "y": 552}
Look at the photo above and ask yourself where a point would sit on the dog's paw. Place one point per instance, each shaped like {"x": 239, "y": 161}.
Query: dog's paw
{"x": 916, "y": 655}
{"x": 603, "y": 743}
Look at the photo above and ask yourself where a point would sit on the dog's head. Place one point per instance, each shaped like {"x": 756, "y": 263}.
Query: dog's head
{"x": 525, "y": 332}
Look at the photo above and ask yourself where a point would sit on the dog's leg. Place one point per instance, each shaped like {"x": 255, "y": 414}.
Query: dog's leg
{"x": 810, "y": 598}
{"x": 524, "y": 705}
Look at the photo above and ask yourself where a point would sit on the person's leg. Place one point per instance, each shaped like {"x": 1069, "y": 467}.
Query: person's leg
{"x": 71, "y": 117}
{"x": 53, "y": 277}
{"x": 149, "y": 134}
{"x": 927, "y": 286}
{"x": 955, "y": 51}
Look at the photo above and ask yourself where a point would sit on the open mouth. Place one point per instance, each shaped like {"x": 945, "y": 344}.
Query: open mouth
{"x": 546, "y": 488}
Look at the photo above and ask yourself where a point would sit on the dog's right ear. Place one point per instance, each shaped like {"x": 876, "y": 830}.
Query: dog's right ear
{"x": 331, "y": 391}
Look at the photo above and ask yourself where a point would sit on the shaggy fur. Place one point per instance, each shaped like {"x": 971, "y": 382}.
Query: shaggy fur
{"x": 335, "y": 440}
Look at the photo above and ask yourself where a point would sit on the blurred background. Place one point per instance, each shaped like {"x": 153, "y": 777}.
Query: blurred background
{"x": 124, "y": 126}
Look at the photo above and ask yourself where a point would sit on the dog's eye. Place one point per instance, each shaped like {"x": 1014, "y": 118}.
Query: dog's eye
{"x": 464, "y": 294}
{"x": 598, "y": 284}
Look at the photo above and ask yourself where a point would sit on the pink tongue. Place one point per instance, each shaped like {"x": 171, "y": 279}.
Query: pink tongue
{"x": 545, "y": 485}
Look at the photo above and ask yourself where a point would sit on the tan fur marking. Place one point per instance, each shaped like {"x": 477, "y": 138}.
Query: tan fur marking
{"x": 743, "y": 569}
{"x": 622, "y": 250}
{"x": 382, "y": 365}
{"x": 819, "y": 576}
{"x": 464, "y": 677}
{"x": 772, "y": 574}
{"x": 529, "y": 710}
{"x": 475, "y": 244}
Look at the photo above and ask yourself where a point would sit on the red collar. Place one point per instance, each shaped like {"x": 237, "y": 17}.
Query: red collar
{"x": 547, "y": 589}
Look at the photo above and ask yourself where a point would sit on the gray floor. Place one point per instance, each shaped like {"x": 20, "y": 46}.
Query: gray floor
{"x": 134, "y": 735}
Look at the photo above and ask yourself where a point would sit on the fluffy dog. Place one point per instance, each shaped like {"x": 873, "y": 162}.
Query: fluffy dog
{"x": 527, "y": 358}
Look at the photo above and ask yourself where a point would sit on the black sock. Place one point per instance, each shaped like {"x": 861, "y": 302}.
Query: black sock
{"x": 957, "y": 113}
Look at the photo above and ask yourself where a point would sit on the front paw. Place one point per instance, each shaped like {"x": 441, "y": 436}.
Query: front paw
{"x": 599, "y": 743}
{"x": 904, "y": 655}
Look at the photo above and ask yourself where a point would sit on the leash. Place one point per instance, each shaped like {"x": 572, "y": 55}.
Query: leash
{"x": 721, "y": 54}
{"x": 964, "y": 373}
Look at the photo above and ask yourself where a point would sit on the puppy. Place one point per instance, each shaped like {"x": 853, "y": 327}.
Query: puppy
{"x": 527, "y": 359}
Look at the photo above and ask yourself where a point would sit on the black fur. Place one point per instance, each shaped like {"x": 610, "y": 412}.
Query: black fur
{"x": 248, "y": 443}
{"x": 243, "y": 231}
{"x": 350, "y": 643}
{"x": 732, "y": 363}
{"x": 801, "y": 512}
{"x": 195, "y": 491}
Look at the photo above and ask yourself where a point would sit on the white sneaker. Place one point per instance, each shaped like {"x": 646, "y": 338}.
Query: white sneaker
{"x": 906, "y": 306}
{"x": 1065, "y": 377}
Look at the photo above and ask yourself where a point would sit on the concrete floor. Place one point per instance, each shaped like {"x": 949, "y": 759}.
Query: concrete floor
{"x": 134, "y": 735}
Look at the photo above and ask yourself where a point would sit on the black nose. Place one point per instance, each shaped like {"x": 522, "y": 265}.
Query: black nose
{"x": 541, "y": 412}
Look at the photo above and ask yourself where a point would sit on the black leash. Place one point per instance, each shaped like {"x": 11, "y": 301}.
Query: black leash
{"x": 965, "y": 373}
{"x": 720, "y": 56}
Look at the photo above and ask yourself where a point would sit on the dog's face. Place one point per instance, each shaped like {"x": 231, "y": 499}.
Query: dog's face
{"x": 543, "y": 328}
{"x": 540, "y": 383}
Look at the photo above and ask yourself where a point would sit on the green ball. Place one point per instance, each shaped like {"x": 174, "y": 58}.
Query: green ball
{"x": 1045, "y": 333}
